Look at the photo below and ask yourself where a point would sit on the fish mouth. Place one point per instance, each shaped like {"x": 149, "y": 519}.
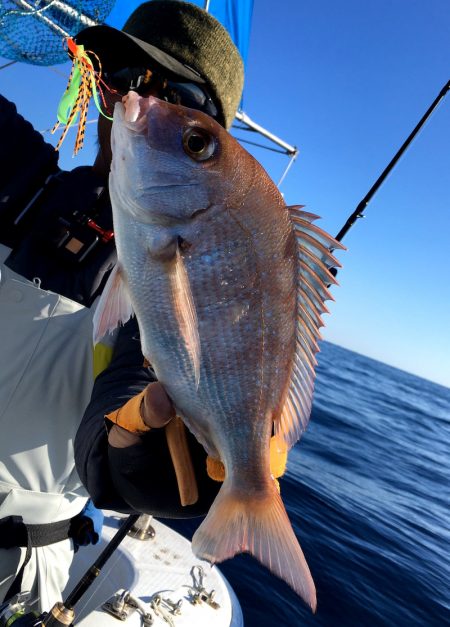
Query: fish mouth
{"x": 133, "y": 113}
{"x": 134, "y": 109}
{"x": 134, "y": 106}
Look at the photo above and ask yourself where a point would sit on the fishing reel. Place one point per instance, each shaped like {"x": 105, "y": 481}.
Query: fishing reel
{"x": 18, "y": 612}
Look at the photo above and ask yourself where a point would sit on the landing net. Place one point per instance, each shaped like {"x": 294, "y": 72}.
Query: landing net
{"x": 33, "y": 31}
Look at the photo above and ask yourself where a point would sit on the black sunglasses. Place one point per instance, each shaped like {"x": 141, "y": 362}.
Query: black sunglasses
{"x": 142, "y": 81}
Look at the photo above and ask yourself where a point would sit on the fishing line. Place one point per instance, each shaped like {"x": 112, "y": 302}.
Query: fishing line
{"x": 59, "y": 72}
{"x": 2, "y": 67}
{"x": 247, "y": 141}
{"x": 240, "y": 127}
{"x": 48, "y": 130}
{"x": 288, "y": 167}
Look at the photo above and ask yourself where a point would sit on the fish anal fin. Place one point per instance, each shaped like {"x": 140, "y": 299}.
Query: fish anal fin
{"x": 292, "y": 421}
{"x": 259, "y": 525}
{"x": 114, "y": 307}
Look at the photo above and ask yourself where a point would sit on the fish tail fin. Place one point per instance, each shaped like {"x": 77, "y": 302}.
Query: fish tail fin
{"x": 259, "y": 525}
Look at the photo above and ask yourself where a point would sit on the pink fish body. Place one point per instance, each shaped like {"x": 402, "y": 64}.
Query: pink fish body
{"x": 228, "y": 285}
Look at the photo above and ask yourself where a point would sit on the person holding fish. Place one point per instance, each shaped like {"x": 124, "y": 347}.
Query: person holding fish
{"x": 227, "y": 285}
{"x": 57, "y": 249}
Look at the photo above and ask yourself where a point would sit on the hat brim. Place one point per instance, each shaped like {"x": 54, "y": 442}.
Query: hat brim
{"x": 117, "y": 49}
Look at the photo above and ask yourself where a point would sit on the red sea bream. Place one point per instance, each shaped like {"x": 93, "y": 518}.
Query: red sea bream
{"x": 228, "y": 285}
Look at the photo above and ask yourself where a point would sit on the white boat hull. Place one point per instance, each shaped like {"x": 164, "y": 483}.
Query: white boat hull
{"x": 162, "y": 575}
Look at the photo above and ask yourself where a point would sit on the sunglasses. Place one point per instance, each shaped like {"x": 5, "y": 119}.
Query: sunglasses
{"x": 143, "y": 81}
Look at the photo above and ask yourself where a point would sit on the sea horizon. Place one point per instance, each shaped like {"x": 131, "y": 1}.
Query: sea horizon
{"x": 385, "y": 363}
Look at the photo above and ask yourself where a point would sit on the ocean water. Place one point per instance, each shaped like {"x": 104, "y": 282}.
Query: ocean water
{"x": 368, "y": 493}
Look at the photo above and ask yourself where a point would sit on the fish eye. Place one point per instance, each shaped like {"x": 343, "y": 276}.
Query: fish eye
{"x": 198, "y": 144}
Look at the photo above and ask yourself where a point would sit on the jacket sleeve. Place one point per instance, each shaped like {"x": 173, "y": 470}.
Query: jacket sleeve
{"x": 141, "y": 477}
{"x": 26, "y": 160}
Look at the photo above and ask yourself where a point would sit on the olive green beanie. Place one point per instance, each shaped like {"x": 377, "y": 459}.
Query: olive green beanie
{"x": 198, "y": 40}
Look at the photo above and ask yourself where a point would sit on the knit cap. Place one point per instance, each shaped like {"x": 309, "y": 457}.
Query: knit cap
{"x": 185, "y": 40}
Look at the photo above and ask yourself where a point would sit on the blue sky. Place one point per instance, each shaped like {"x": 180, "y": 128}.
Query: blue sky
{"x": 346, "y": 82}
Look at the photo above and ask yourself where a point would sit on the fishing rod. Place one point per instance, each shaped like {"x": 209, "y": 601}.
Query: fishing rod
{"x": 62, "y": 614}
{"x": 359, "y": 211}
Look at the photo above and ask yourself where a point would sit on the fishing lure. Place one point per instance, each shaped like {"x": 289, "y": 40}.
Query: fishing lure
{"x": 84, "y": 81}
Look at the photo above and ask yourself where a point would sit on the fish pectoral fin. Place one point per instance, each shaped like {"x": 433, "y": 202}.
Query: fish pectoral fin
{"x": 114, "y": 307}
{"x": 238, "y": 523}
{"x": 185, "y": 311}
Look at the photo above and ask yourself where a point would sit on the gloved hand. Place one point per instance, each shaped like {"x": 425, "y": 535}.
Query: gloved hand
{"x": 86, "y": 528}
{"x": 156, "y": 410}
{"x": 153, "y": 409}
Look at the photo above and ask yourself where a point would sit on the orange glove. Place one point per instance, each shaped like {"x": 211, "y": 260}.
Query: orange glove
{"x": 151, "y": 409}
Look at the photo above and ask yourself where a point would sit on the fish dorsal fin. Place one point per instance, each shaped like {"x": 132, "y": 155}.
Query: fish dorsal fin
{"x": 185, "y": 311}
{"x": 114, "y": 307}
{"x": 314, "y": 277}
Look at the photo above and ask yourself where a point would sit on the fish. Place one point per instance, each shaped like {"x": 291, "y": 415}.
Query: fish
{"x": 228, "y": 285}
